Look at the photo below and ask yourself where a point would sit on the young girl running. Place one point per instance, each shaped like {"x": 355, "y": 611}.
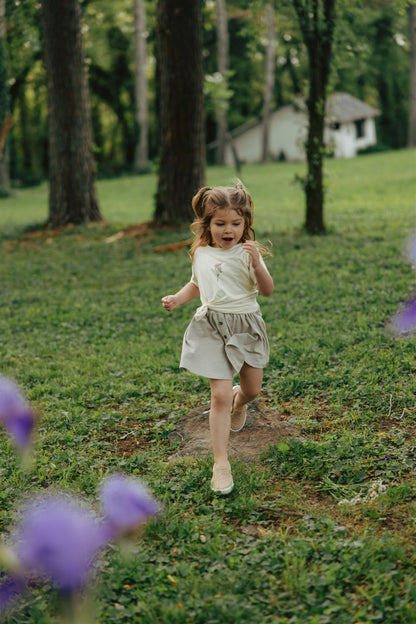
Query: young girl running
{"x": 227, "y": 335}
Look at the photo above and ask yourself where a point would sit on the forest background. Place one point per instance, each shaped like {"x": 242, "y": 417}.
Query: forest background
{"x": 370, "y": 60}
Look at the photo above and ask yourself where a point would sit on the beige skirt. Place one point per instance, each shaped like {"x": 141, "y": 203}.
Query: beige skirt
{"x": 218, "y": 345}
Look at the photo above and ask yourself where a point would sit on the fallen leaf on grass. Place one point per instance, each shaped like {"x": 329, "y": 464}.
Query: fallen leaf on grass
{"x": 173, "y": 246}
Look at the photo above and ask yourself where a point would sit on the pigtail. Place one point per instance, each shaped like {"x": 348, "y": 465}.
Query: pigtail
{"x": 199, "y": 200}
{"x": 263, "y": 249}
{"x": 200, "y": 227}
{"x": 241, "y": 200}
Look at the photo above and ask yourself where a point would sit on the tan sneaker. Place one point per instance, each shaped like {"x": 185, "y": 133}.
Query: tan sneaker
{"x": 222, "y": 479}
{"x": 238, "y": 417}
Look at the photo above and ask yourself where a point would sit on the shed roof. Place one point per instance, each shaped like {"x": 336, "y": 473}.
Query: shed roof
{"x": 343, "y": 107}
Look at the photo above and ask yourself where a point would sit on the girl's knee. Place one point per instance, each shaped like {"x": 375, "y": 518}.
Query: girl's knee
{"x": 251, "y": 382}
{"x": 250, "y": 394}
{"x": 250, "y": 389}
{"x": 221, "y": 400}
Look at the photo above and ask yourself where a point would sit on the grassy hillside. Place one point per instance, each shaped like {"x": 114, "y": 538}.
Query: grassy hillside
{"x": 83, "y": 332}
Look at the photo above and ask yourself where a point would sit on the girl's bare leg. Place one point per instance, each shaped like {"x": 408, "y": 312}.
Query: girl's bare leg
{"x": 249, "y": 388}
{"x": 250, "y": 385}
{"x": 219, "y": 417}
{"x": 219, "y": 423}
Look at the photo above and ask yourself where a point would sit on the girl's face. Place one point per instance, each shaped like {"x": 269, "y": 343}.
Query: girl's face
{"x": 226, "y": 228}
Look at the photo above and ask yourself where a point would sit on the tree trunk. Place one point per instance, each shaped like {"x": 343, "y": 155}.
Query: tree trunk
{"x": 5, "y": 120}
{"x": 222, "y": 38}
{"x": 314, "y": 190}
{"x": 317, "y": 26}
{"x": 182, "y": 159}
{"x": 412, "y": 77}
{"x": 268, "y": 78}
{"x": 140, "y": 75}
{"x": 72, "y": 196}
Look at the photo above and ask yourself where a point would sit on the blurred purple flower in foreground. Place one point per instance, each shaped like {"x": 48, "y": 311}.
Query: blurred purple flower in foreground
{"x": 404, "y": 321}
{"x": 59, "y": 541}
{"x": 15, "y": 414}
{"x": 126, "y": 503}
{"x": 10, "y": 590}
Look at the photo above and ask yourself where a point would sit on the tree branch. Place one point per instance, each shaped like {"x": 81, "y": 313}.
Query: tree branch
{"x": 303, "y": 17}
{"x": 315, "y": 18}
{"x": 328, "y": 34}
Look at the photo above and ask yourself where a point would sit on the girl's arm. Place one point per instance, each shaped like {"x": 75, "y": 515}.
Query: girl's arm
{"x": 185, "y": 294}
{"x": 263, "y": 278}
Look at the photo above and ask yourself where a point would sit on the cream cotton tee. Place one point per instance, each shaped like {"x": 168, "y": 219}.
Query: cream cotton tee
{"x": 225, "y": 279}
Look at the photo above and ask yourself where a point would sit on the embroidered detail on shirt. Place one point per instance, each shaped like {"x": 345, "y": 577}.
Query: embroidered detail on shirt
{"x": 217, "y": 268}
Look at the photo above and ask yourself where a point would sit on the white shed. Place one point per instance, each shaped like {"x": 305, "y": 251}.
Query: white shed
{"x": 350, "y": 127}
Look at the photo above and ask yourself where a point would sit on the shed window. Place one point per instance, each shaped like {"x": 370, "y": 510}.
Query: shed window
{"x": 359, "y": 128}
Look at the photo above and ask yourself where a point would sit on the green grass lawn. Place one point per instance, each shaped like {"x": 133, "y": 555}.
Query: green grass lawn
{"x": 83, "y": 332}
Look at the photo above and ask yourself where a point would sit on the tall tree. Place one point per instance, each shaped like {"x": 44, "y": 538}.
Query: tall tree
{"x": 317, "y": 22}
{"x": 72, "y": 195}
{"x": 269, "y": 73}
{"x": 412, "y": 76}
{"x": 182, "y": 142}
{"x": 140, "y": 82}
{"x": 223, "y": 62}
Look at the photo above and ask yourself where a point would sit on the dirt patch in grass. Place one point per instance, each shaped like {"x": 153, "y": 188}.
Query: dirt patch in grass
{"x": 263, "y": 427}
{"x": 130, "y": 442}
{"x": 388, "y": 424}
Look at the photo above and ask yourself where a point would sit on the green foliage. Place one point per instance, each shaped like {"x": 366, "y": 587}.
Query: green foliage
{"x": 370, "y": 60}
{"x": 84, "y": 334}
{"x": 217, "y": 92}
{"x": 28, "y": 137}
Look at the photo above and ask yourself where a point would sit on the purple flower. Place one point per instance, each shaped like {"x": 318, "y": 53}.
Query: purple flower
{"x": 10, "y": 589}
{"x": 59, "y": 541}
{"x": 126, "y": 503}
{"x": 404, "y": 320}
{"x": 15, "y": 414}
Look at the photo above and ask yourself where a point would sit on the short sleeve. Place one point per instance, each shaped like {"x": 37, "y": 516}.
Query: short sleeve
{"x": 194, "y": 279}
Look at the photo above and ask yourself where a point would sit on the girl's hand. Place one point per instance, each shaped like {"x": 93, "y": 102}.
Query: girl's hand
{"x": 170, "y": 303}
{"x": 251, "y": 248}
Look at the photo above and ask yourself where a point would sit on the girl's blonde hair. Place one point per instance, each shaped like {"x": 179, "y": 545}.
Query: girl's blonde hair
{"x": 210, "y": 199}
